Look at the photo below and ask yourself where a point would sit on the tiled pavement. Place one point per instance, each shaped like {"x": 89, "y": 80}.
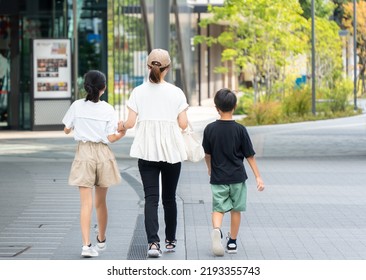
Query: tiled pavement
{"x": 313, "y": 207}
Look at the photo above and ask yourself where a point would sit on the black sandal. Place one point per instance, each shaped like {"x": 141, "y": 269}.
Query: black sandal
{"x": 170, "y": 245}
{"x": 154, "y": 250}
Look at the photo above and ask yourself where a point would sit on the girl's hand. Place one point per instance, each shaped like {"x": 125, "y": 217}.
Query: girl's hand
{"x": 121, "y": 127}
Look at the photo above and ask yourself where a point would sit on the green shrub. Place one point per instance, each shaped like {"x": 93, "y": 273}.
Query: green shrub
{"x": 297, "y": 103}
{"x": 268, "y": 112}
{"x": 338, "y": 97}
{"x": 245, "y": 102}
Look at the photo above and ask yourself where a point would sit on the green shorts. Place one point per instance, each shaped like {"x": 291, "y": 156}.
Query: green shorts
{"x": 229, "y": 197}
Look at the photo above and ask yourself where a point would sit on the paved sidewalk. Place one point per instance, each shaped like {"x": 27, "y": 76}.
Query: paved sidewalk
{"x": 313, "y": 206}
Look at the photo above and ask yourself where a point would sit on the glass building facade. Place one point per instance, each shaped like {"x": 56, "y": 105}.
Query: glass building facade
{"x": 22, "y": 21}
{"x": 113, "y": 36}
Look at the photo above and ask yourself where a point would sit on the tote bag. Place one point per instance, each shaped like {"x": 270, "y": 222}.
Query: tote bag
{"x": 193, "y": 144}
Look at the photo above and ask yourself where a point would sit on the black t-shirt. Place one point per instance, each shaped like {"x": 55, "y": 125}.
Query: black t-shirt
{"x": 228, "y": 143}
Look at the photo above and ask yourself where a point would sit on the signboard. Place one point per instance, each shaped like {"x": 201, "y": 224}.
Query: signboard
{"x": 51, "y": 68}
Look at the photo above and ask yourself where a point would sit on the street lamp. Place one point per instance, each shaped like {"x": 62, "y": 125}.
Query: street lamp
{"x": 313, "y": 56}
{"x": 355, "y": 54}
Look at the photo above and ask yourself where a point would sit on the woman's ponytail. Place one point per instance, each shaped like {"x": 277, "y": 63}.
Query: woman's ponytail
{"x": 155, "y": 72}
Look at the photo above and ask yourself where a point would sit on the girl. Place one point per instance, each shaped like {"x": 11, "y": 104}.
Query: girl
{"x": 95, "y": 125}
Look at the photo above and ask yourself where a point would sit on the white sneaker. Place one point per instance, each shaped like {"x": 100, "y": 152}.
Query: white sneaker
{"x": 89, "y": 251}
{"x": 101, "y": 246}
{"x": 217, "y": 248}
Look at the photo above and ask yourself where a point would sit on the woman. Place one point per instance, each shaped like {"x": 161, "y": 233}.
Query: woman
{"x": 159, "y": 108}
{"x": 95, "y": 125}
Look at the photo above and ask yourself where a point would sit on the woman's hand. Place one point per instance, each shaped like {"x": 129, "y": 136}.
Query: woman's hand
{"x": 121, "y": 127}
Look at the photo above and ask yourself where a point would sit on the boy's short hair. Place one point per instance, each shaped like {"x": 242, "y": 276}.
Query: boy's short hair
{"x": 225, "y": 100}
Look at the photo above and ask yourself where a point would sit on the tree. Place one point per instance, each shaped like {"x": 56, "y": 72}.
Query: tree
{"x": 328, "y": 64}
{"x": 360, "y": 35}
{"x": 323, "y": 8}
{"x": 328, "y": 59}
{"x": 262, "y": 33}
{"x": 338, "y": 11}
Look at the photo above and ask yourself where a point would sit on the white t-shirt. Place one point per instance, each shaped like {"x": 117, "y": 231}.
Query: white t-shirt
{"x": 91, "y": 121}
{"x": 158, "y": 136}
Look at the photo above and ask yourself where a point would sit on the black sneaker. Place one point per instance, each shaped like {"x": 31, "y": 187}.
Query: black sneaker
{"x": 231, "y": 247}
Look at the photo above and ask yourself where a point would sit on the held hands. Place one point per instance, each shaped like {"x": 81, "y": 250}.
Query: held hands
{"x": 122, "y": 132}
{"x": 260, "y": 184}
{"x": 116, "y": 136}
{"x": 121, "y": 128}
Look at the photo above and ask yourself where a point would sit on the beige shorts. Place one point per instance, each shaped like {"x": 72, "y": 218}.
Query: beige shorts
{"x": 94, "y": 165}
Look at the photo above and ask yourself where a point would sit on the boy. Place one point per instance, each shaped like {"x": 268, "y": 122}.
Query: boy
{"x": 226, "y": 144}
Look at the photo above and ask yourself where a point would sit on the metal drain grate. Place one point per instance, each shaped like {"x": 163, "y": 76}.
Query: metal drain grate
{"x": 138, "y": 247}
{"x": 134, "y": 183}
{"x": 12, "y": 250}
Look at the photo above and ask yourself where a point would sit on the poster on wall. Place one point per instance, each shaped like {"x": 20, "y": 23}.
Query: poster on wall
{"x": 52, "y": 68}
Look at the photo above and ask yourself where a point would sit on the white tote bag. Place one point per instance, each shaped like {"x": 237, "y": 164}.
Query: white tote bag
{"x": 193, "y": 143}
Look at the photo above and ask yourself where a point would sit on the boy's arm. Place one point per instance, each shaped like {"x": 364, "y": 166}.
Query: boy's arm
{"x": 208, "y": 163}
{"x": 253, "y": 166}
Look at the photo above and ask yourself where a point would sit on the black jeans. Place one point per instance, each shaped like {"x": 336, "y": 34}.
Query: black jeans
{"x": 150, "y": 172}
